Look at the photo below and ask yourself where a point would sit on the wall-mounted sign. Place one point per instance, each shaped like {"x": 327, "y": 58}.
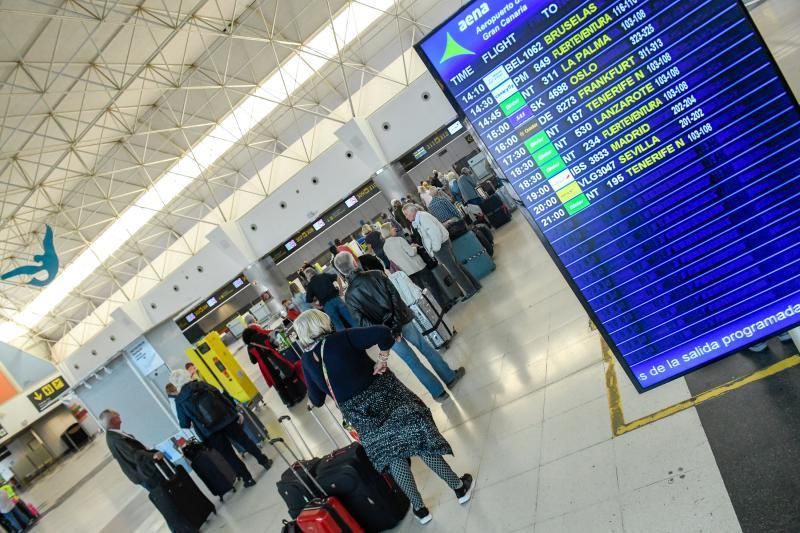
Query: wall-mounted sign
{"x": 213, "y": 301}
{"x": 48, "y": 394}
{"x": 431, "y": 145}
{"x": 655, "y": 146}
{"x": 47, "y": 263}
{"x": 144, "y": 356}
{"x": 331, "y": 216}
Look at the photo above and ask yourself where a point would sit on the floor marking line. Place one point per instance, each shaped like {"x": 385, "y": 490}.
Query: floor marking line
{"x": 620, "y": 427}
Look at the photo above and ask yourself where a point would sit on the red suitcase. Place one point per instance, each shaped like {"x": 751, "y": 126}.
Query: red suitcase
{"x": 327, "y": 515}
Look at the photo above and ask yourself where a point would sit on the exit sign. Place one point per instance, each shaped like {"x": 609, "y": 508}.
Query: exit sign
{"x": 48, "y": 394}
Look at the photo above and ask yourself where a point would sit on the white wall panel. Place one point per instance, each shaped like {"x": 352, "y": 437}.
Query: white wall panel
{"x": 292, "y": 206}
{"x": 411, "y": 117}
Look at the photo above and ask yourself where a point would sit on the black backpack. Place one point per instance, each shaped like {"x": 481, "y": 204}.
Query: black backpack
{"x": 211, "y": 407}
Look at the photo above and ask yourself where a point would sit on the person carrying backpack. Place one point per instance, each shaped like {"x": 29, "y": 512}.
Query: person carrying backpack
{"x": 214, "y": 417}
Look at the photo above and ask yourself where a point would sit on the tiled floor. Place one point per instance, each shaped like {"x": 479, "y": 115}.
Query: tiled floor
{"x": 530, "y": 421}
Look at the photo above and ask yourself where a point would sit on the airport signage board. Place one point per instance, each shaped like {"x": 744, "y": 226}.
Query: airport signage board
{"x": 328, "y": 218}
{"x": 212, "y": 302}
{"x": 48, "y": 394}
{"x": 431, "y": 145}
{"x": 656, "y": 147}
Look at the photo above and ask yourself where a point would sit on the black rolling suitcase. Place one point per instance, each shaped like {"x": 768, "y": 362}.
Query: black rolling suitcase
{"x": 374, "y": 500}
{"x": 292, "y": 390}
{"x": 295, "y": 491}
{"x": 184, "y": 507}
{"x": 496, "y": 211}
{"x": 212, "y": 468}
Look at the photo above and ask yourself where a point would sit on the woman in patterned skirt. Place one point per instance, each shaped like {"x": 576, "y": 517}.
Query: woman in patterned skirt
{"x": 393, "y": 424}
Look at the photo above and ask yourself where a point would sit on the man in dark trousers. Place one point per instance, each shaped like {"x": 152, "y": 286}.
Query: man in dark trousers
{"x": 138, "y": 463}
{"x": 373, "y": 301}
{"x": 192, "y": 404}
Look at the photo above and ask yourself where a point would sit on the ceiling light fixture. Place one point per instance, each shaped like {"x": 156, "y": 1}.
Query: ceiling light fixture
{"x": 309, "y": 58}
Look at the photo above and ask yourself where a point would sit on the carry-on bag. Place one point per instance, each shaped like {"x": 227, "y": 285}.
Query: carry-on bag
{"x": 212, "y": 468}
{"x": 484, "y": 235}
{"x": 496, "y": 211}
{"x": 431, "y": 320}
{"x": 446, "y": 282}
{"x": 374, "y": 499}
{"x": 473, "y": 256}
{"x": 294, "y": 491}
{"x": 184, "y": 506}
{"x": 456, "y": 227}
{"x": 324, "y": 514}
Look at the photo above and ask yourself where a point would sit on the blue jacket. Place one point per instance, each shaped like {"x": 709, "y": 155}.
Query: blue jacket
{"x": 188, "y": 415}
{"x": 467, "y": 185}
{"x": 349, "y": 367}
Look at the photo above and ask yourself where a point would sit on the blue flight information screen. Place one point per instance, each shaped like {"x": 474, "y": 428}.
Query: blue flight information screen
{"x": 657, "y": 148}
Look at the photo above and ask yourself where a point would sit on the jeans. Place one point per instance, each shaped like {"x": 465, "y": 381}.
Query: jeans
{"x": 412, "y": 337}
{"x": 221, "y": 441}
{"x": 17, "y": 519}
{"x": 340, "y": 315}
{"x": 467, "y": 281}
{"x": 427, "y": 280}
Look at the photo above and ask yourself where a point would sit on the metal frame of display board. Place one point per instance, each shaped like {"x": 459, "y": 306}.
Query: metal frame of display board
{"x": 553, "y": 255}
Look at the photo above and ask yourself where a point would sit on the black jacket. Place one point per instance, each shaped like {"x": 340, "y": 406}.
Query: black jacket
{"x": 188, "y": 416}
{"x": 373, "y": 300}
{"x": 322, "y": 287}
{"x": 135, "y": 459}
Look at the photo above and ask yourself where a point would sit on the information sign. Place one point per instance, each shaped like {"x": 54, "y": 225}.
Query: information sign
{"x": 48, "y": 394}
{"x": 657, "y": 148}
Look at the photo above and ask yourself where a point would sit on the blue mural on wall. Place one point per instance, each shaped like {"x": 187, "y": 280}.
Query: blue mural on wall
{"x": 48, "y": 262}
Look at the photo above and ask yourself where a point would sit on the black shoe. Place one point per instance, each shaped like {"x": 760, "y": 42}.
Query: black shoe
{"x": 443, "y": 397}
{"x": 465, "y": 492}
{"x": 249, "y": 483}
{"x": 459, "y": 374}
{"x": 423, "y": 515}
{"x": 267, "y": 464}
{"x": 468, "y": 296}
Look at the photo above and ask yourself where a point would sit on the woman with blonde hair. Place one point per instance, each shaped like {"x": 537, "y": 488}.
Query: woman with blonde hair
{"x": 393, "y": 424}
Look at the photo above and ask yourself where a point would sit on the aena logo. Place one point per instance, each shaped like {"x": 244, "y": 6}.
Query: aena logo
{"x": 452, "y": 48}
{"x": 473, "y": 16}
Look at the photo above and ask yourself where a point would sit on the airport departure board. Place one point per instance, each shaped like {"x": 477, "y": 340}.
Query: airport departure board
{"x": 656, "y": 147}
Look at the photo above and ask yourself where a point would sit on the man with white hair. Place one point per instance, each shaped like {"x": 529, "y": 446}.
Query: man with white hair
{"x": 373, "y": 301}
{"x": 436, "y": 240}
{"x": 134, "y": 458}
{"x": 138, "y": 464}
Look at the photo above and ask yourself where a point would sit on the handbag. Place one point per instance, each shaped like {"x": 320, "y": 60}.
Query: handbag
{"x": 345, "y": 424}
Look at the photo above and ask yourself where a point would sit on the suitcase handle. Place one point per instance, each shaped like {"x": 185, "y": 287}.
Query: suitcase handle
{"x": 274, "y": 443}
{"x": 286, "y": 418}
{"x": 323, "y": 428}
{"x": 170, "y": 467}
